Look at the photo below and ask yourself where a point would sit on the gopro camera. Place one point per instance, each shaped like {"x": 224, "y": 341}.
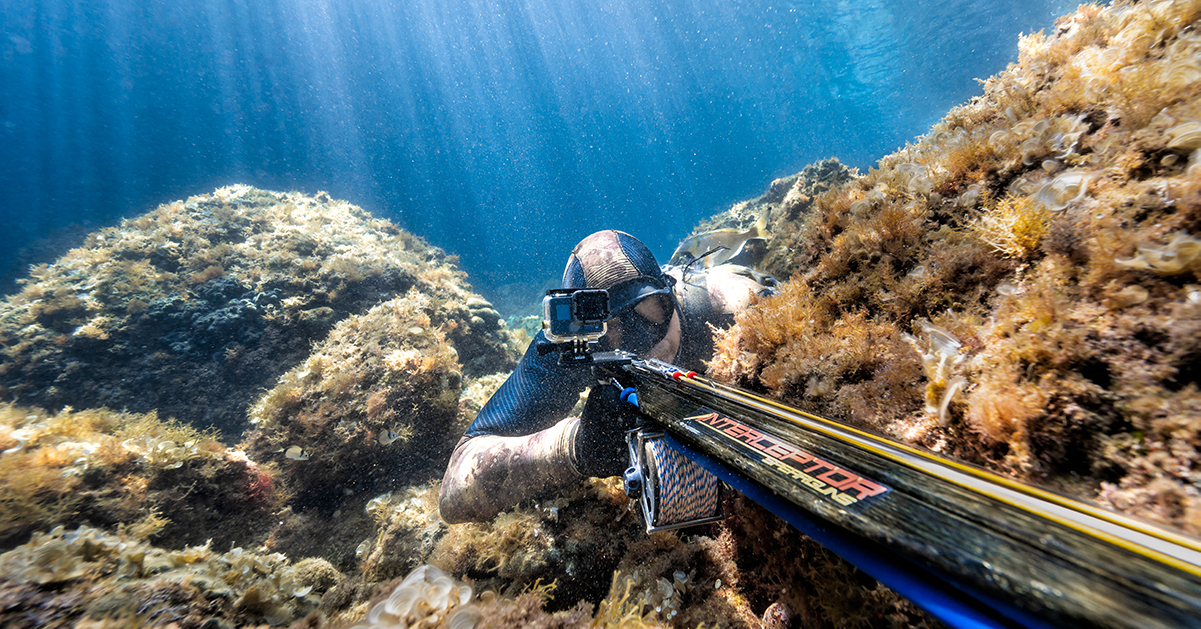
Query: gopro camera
{"x": 573, "y": 315}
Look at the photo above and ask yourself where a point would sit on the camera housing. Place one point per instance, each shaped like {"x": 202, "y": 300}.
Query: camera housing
{"x": 574, "y": 315}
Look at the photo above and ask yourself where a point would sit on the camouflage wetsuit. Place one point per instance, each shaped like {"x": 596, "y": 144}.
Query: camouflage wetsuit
{"x": 522, "y": 445}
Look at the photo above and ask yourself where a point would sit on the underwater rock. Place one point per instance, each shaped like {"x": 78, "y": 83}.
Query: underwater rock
{"x": 572, "y": 537}
{"x": 149, "y": 477}
{"x": 71, "y": 577}
{"x": 670, "y": 579}
{"x": 376, "y": 408}
{"x": 476, "y": 393}
{"x": 390, "y": 371}
{"x": 560, "y": 546}
{"x": 1022, "y": 224}
{"x": 317, "y": 574}
{"x": 194, "y": 307}
{"x": 408, "y": 527}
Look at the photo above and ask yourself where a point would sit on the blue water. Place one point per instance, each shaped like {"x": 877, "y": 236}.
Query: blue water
{"x": 501, "y": 130}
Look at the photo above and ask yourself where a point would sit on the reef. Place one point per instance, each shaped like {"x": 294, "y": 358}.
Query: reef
{"x": 1019, "y": 286}
{"x": 376, "y": 406}
{"x": 128, "y": 472}
{"x": 191, "y": 309}
{"x": 399, "y": 355}
{"x": 86, "y": 577}
{"x": 571, "y": 537}
{"x": 378, "y": 380}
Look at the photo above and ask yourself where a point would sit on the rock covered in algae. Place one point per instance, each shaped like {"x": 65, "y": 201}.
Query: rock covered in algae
{"x": 573, "y": 537}
{"x": 553, "y": 560}
{"x": 194, "y": 307}
{"x": 374, "y": 408}
{"x": 376, "y": 401}
{"x": 128, "y": 471}
{"x": 1048, "y": 227}
{"x": 75, "y": 577}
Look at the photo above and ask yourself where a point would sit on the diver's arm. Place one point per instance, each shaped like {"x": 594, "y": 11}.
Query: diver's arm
{"x": 519, "y": 444}
{"x": 489, "y": 473}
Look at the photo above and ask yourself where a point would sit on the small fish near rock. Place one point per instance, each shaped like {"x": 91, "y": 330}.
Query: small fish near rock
{"x": 297, "y": 453}
{"x": 724, "y": 246}
{"x": 387, "y": 437}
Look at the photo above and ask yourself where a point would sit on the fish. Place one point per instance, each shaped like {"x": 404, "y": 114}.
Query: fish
{"x": 722, "y": 246}
{"x": 297, "y": 453}
{"x": 763, "y": 279}
{"x": 386, "y": 437}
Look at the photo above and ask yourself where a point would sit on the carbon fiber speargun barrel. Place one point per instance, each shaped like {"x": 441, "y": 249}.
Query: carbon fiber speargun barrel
{"x": 973, "y": 547}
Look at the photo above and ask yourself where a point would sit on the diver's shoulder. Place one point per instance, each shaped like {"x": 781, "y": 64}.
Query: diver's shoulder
{"x": 729, "y": 287}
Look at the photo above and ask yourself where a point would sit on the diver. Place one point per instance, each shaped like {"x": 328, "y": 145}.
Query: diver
{"x": 522, "y": 444}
